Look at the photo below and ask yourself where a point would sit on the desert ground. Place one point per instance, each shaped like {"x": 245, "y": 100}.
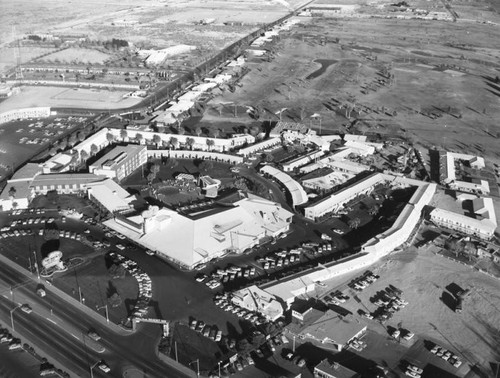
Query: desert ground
{"x": 427, "y": 281}
{"x": 438, "y": 67}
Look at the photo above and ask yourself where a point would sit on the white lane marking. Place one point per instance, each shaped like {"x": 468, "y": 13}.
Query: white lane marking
{"x": 50, "y": 320}
{"x": 76, "y": 337}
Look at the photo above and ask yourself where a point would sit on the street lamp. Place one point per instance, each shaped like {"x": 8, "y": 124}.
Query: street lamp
{"x": 218, "y": 363}
{"x": 92, "y": 368}
{"x": 105, "y": 307}
{"x": 12, "y": 316}
{"x": 197, "y": 366}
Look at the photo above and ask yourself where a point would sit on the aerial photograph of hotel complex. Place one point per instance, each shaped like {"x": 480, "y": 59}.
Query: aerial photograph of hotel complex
{"x": 250, "y": 189}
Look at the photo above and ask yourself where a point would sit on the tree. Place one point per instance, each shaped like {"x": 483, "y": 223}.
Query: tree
{"x": 210, "y": 144}
{"x": 115, "y": 300}
{"x": 198, "y": 131}
{"x": 150, "y": 177}
{"x": 155, "y": 168}
{"x": 123, "y": 134}
{"x": 72, "y": 139}
{"x": 374, "y": 210}
{"x": 216, "y": 133}
{"x": 181, "y": 130}
{"x": 254, "y": 130}
{"x": 74, "y": 160}
{"x": 172, "y": 163}
{"x": 110, "y": 137}
{"x": 139, "y": 138}
{"x": 12, "y": 192}
{"x": 62, "y": 144}
{"x": 354, "y": 223}
{"x": 94, "y": 149}
{"x": 206, "y": 165}
{"x": 84, "y": 155}
{"x": 190, "y": 142}
{"x": 81, "y": 136}
{"x": 157, "y": 140}
{"x": 52, "y": 151}
{"x": 174, "y": 142}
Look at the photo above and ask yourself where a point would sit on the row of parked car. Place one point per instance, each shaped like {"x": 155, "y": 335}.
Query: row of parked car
{"x": 388, "y": 301}
{"x": 224, "y": 275}
{"x": 336, "y": 297}
{"x": 446, "y": 355}
{"x": 413, "y": 371}
{"x": 15, "y": 233}
{"x": 357, "y": 344}
{"x": 208, "y": 331}
{"x": 145, "y": 287}
{"x": 362, "y": 282}
{"x": 224, "y": 302}
{"x": 6, "y": 337}
{"x": 280, "y": 258}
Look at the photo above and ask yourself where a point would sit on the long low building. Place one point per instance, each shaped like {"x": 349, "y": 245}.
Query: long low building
{"x": 101, "y": 139}
{"x": 482, "y": 227}
{"x": 337, "y": 200}
{"x": 260, "y": 146}
{"x": 120, "y": 162}
{"x": 371, "y": 251}
{"x": 298, "y": 194}
{"x": 189, "y": 240}
{"x": 12, "y": 115}
{"x": 299, "y": 161}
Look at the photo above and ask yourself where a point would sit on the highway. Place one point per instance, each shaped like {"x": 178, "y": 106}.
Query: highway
{"x": 60, "y": 332}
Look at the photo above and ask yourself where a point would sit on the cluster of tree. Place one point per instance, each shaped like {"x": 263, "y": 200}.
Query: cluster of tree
{"x": 51, "y": 234}
{"x": 116, "y": 43}
{"x": 153, "y": 171}
{"x": 115, "y": 300}
{"x": 117, "y": 271}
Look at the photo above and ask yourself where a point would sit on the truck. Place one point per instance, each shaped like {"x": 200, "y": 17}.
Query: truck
{"x": 41, "y": 292}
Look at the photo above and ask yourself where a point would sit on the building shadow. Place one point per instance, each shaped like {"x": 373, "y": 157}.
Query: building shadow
{"x": 448, "y": 300}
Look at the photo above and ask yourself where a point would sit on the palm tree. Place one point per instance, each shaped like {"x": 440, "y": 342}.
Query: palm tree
{"x": 181, "y": 131}
{"x": 139, "y": 138}
{"x": 216, "y": 133}
{"x": 110, "y": 137}
{"x": 84, "y": 155}
{"x": 210, "y": 144}
{"x": 94, "y": 149}
{"x": 156, "y": 140}
{"x": 198, "y": 131}
{"x": 354, "y": 223}
{"x": 173, "y": 142}
{"x": 123, "y": 134}
{"x": 190, "y": 142}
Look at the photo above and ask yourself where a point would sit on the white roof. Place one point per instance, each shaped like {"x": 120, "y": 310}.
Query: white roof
{"x": 111, "y": 195}
{"x": 484, "y": 206}
{"x": 255, "y": 299}
{"x": 299, "y": 195}
{"x": 485, "y": 225}
{"x": 356, "y": 138}
{"x": 194, "y": 240}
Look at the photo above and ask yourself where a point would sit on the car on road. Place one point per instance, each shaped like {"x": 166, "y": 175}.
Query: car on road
{"x": 26, "y": 308}
{"x": 93, "y": 335}
{"x": 121, "y": 247}
{"x": 338, "y": 231}
{"x": 104, "y": 367}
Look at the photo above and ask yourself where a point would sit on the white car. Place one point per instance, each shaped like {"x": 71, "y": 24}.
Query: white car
{"x": 415, "y": 369}
{"x": 412, "y": 374}
{"x": 396, "y": 334}
{"x": 120, "y": 247}
{"x": 408, "y": 336}
{"x": 104, "y": 367}
{"x": 337, "y": 231}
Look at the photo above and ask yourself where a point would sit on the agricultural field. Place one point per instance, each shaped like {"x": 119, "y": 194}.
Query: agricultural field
{"x": 76, "y": 55}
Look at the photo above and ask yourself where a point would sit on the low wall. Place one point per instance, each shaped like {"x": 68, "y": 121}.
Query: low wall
{"x": 188, "y": 154}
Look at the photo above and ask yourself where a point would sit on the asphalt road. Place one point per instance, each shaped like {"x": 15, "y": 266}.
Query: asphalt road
{"x": 60, "y": 333}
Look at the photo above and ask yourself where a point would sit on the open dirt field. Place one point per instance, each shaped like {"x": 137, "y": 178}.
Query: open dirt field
{"x": 76, "y": 55}
{"x": 427, "y": 282}
{"x": 438, "y": 67}
{"x": 153, "y": 22}
{"x": 8, "y": 57}
{"x": 80, "y": 98}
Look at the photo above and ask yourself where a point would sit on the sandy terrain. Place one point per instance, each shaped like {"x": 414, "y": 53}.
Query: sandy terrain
{"x": 425, "y": 279}
{"x": 413, "y": 51}
{"x": 81, "y": 98}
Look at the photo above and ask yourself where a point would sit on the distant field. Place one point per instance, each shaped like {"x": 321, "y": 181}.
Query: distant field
{"x": 8, "y": 55}
{"x": 76, "y": 55}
